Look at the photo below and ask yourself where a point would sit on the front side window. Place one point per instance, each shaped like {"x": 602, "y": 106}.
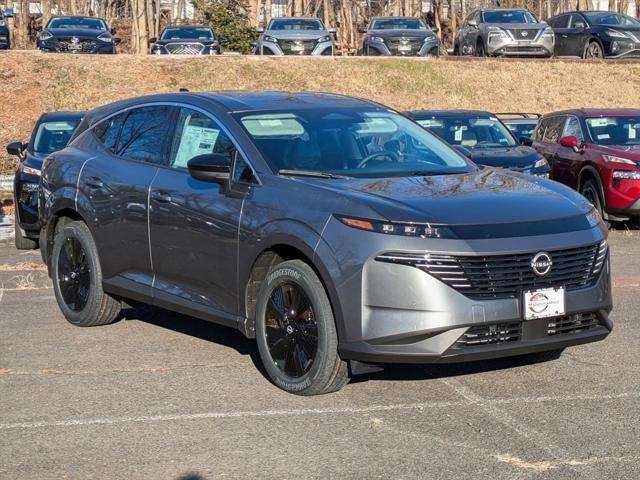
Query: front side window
{"x": 53, "y": 136}
{"x": 77, "y": 22}
{"x": 398, "y": 24}
{"x": 187, "y": 33}
{"x": 108, "y": 131}
{"x": 144, "y": 134}
{"x": 197, "y": 134}
{"x": 559, "y": 22}
{"x": 573, "y": 129}
{"x": 470, "y": 132}
{"x": 508, "y": 16}
{"x": 350, "y": 142}
{"x": 576, "y": 22}
{"x": 614, "y": 130}
{"x": 608, "y": 18}
{"x": 295, "y": 24}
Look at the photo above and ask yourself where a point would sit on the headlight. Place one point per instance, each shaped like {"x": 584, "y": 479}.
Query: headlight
{"x": 626, "y": 175}
{"x": 45, "y": 35}
{"x": 326, "y": 38}
{"x": 2, "y": 23}
{"x": 548, "y": 32}
{"x": 540, "y": 163}
{"x": 495, "y": 32}
{"x": 420, "y": 230}
{"x": 429, "y": 38}
{"x": 28, "y": 170}
{"x": 269, "y": 38}
{"x": 616, "y": 34}
{"x": 377, "y": 39}
{"x": 105, "y": 37}
{"x": 593, "y": 217}
{"x": 614, "y": 159}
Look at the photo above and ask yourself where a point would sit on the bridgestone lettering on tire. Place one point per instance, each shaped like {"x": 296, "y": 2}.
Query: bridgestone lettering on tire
{"x": 296, "y": 332}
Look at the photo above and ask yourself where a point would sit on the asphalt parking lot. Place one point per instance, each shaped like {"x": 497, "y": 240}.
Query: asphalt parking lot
{"x": 159, "y": 395}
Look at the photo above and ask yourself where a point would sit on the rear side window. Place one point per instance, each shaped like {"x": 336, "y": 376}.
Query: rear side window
{"x": 553, "y": 130}
{"x": 145, "y": 133}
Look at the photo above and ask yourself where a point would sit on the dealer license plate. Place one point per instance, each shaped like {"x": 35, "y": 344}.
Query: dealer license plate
{"x": 542, "y": 303}
{"x": 404, "y": 48}
{"x": 297, "y": 48}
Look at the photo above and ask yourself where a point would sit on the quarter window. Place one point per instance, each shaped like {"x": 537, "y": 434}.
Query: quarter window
{"x": 553, "y": 129}
{"x": 144, "y": 134}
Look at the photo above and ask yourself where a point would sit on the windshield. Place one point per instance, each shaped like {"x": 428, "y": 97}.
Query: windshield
{"x": 296, "y": 24}
{"x": 470, "y": 132}
{"x": 606, "y": 18}
{"x": 521, "y": 129}
{"x": 614, "y": 130}
{"x": 508, "y": 16}
{"x": 398, "y": 24}
{"x": 53, "y": 136}
{"x": 350, "y": 142}
{"x": 185, "y": 33}
{"x": 77, "y": 22}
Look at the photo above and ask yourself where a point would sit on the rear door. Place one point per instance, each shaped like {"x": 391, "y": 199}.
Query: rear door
{"x": 117, "y": 181}
{"x": 194, "y": 224}
{"x": 547, "y": 135}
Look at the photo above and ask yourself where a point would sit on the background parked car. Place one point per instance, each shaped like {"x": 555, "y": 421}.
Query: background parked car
{"x": 596, "y": 35}
{"x": 5, "y": 37}
{"x": 504, "y": 32}
{"x": 187, "y": 40}
{"x": 403, "y": 36}
{"x": 76, "y": 34}
{"x": 521, "y": 125}
{"x": 596, "y": 152}
{"x": 482, "y": 138}
{"x": 50, "y": 134}
{"x": 295, "y": 36}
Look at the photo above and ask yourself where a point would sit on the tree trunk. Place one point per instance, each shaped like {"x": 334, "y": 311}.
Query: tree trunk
{"x": 21, "y": 26}
{"x": 149, "y": 15}
{"x": 612, "y": 6}
{"x": 180, "y": 12}
{"x": 140, "y": 37}
{"x": 46, "y": 12}
{"x": 623, "y": 6}
{"x": 452, "y": 8}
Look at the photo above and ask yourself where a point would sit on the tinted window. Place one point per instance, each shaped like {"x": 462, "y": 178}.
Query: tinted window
{"x": 398, "y": 24}
{"x": 553, "y": 129}
{"x": 186, "y": 33}
{"x": 573, "y": 129}
{"x": 144, "y": 134}
{"x": 53, "y": 136}
{"x": 295, "y": 24}
{"x": 197, "y": 134}
{"x": 77, "y": 22}
{"x": 559, "y": 22}
{"x": 508, "y": 16}
{"x": 108, "y": 131}
{"x": 608, "y": 18}
{"x": 615, "y": 130}
{"x": 522, "y": 129}
{"x": 469, "y": 132}
{"x": 576, "y": 21}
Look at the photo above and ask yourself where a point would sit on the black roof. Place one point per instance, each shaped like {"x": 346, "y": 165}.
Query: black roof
{"x": 61, "y": 116}
{"x": 422, "y": 114}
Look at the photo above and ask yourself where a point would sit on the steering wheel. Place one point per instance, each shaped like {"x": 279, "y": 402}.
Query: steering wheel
{"x": 384, "y": 154}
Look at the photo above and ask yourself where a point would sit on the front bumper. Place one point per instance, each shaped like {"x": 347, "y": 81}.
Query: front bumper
{"x": 423, "y": 49}
{"x": 541, "y": 46}
{"x": 98, "y": 48}
{"x": 272, "y": 48}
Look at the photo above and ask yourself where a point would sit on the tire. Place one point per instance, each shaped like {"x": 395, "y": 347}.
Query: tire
{"x": 591, "y": 192}
{"x": 22, "y": 242}
{"x": 77, "y": 278}
{"x": 480, "y": 51}
{"x": 311, "y": 339}
{"x": 593, "y": 49}
{"x": 456, "y": 50}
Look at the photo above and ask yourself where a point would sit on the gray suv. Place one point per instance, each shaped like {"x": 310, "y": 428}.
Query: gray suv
{"x": 337, "y": 233}
{"x": 402, "y": 36}
{"x": 295, "y": 36}
{"x": 504, "y": 32}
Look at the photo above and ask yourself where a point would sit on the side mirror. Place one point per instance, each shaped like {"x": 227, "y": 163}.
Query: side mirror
{"x": 435, "y": 29}
{"x": 526, "y": 141}
{"x": 8, "y": 12}
{"x": 38, "y": 28}
{"x": 16, "y": 148}
{"x": 572, "y": 143}
{"x": 253, "y": 43}
{"x": 222, "y": 40}
{"x": 464, "y": 151}
{"x": 210, "y": 167}
{"x": 117, "y": 40}
{"x": 362, "y": 29}
{"x": 472, "y": 23}
{"x": 332, "y": 31}
{"x": 260, "y": 30}
{"x": 580, "y": 25}
{"x": 152, "y": 40}
{"x": 113, "y": 31}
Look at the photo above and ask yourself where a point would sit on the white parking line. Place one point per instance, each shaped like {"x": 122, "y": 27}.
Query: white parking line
{"x": 307, "y": 411}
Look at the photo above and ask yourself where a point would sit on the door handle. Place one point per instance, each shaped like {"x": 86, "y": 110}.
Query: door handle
{"x": 94, "y": 182}
{"x": 160, "y": 196}
{"x": 564, "y": 36}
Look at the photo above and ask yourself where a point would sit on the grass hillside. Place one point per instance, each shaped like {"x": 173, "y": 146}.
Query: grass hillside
{"x": 32, "y": 82}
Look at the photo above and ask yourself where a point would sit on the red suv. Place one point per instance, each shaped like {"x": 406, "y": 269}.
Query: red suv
{"x": 596, "y": 152}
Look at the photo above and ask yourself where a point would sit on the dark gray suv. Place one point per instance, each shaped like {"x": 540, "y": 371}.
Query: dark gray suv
{"x": 336, "y": 232}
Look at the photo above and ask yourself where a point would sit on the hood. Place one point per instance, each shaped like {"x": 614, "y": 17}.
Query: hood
{"x": 385, "y": 33}
{"x": 506, "y": 157}
{"x": 76, "y": 32}
{"x": 483, "y": 197}
{"x": 297, "y": 34}
{"x": 632, "y": 152}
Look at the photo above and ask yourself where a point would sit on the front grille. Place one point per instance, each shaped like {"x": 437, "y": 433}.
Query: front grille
{"x": 524, "y": 33}
{"x": 80, "y": 46}
{"x": 489, "y": 335}
{"x": 568, "y": 324}
{"x": 307, "y": 46}
{"x": 404, "y": 46}
{"x": 539, "y": 50}
{"x": 191, "y": 48}
{"x": 505, "y": 276}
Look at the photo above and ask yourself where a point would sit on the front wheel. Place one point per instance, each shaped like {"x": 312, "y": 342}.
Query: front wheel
{"x": 296, "y": 332}
{"x": 593, "y": 50}
{"x": 480, "y": 51}
{"x": 22, "y": 242}
{"x": 77, "y": 278}
{"x": 591, "y": 192}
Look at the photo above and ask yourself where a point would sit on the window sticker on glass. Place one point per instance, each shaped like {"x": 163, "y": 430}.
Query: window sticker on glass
{"x": 377, "y": 125}
{"x": 431, "y": 123}
{"x": 598, "y": 122}
{"x": 273, "y": 125}
{"x": 604, "y": 136}
{"x": 195, "y": 141}
{"x": 457, "y": 136}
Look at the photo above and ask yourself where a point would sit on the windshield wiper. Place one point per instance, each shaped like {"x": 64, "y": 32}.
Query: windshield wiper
{"x": 310, "y": 173}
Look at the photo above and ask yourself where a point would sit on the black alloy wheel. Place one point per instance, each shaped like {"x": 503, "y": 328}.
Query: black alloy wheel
{"x": 73, "y": 274}
{"x": 593, "y": 50}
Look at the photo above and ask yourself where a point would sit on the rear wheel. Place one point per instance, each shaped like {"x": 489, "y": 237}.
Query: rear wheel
{"x": 22, "y": 242}
{"x": 77, "y": 278}
{"x": 296, "y": 332}
{"x": 593, "y": 50}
